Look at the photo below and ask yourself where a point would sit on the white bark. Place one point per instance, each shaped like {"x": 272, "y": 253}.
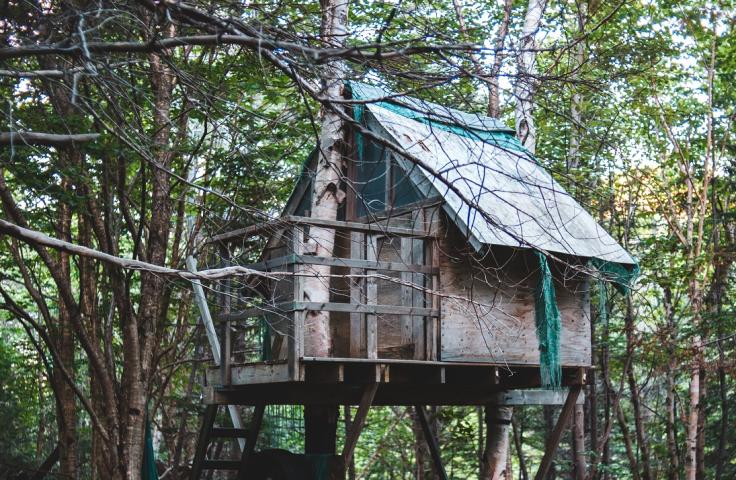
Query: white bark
{"x": 498, "y": 423}
{"x": 691, "y": 441}
{"x": 326, "y": 192}
{"x": 576, "y": 103}
{"x": 526, "y": 70}
{"x": 50, "y": 139}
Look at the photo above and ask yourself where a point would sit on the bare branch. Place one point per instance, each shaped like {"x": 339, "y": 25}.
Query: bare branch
{"x": 315, "y": 55}
{"x": 33, "y": 237}
{"x": 47, "y": 139}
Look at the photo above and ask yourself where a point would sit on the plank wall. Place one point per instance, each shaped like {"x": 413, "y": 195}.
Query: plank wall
{"x": 488, "y": 305}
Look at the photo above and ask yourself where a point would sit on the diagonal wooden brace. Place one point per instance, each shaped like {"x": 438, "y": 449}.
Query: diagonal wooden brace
{"x": 434, "y": 448}
{"x": 358, "y": 422}
{"x": 554, "y": 439}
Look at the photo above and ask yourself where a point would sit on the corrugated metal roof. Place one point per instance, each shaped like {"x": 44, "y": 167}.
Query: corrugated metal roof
{"x": 504, "y": 197}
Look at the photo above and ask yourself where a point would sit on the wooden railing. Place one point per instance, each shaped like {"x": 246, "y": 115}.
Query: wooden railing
{"x": 416, "y": 274}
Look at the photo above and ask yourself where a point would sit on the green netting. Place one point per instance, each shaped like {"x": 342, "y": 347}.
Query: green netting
{"x": 148, "y": 470}
{"x": 547, "y": 317}
{"x": 621, "y": 276}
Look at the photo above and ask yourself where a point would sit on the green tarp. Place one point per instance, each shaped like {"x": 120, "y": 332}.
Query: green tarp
{"x": 149, "y": 471}
{"x": 547, "y": 317}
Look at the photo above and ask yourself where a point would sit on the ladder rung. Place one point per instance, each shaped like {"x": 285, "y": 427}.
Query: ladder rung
{"x": 221, "y": 465}
{"x": 227, "y": 432}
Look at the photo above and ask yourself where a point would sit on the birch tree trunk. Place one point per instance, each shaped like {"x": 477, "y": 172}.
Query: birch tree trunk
{"x": 498, "y": 419}
{"x": 526, "y": 69}
{"x": 576, "y": 102}
{"x": 696, "y": 237}
{"x": 327, "y": 193}
{"x": 673, "y": 469}
{"x": 494, "y": 98}
{"x": 498, "y": 427}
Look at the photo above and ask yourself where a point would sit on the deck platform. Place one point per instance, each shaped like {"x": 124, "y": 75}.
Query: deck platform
{"x": 400, "y": 382}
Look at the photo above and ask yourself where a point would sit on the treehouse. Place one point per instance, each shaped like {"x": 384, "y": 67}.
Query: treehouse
{"x": 460, "y": 274}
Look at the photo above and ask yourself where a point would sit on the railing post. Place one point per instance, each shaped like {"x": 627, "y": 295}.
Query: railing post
{"x": 226, "y": 334}
{"x": 433, "y": 323}
{"x": 296, "y": 330}
{"x": 371, "y": 298}
{"x": 407, "y": 293}
{"x": 357, "y": 320}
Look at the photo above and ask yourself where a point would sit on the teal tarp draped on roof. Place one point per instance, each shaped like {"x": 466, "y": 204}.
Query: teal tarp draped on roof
{"x": 621, "y": 276}
{"x": 524, "y": 207}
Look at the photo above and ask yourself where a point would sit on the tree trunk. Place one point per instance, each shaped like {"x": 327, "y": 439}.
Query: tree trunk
{"x": 691, "y": 441}
{"x": 327, "y": 192}
{"x": 327, "y": 195}
{"x": 578, "y": 442}
{"x": 494, "y": 97}
{"x": 576, "y": 102}
{"x": 498, "y": 423}
{"x": 630, "y": 453}
{"x": 65, "y": 396}
{"x": 526, "y": 84}
{"x": 420, "y": 448}
{"x": 700, "y": 446}
{"x": 673, "y": 470}
{"x": 139, "y": 334}
{"x": 641, "y": 437}
{"x": 518, "y": 442}
{"x": 548, "y": 412}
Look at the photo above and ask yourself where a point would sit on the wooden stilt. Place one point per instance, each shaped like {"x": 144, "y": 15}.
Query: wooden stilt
{"x": 351, "y": 439}
{"x": 434, "y": 449}
{"x": 554, "y": 439}
{"x": 250, "y": 442}
{"x": 203, "y": 441}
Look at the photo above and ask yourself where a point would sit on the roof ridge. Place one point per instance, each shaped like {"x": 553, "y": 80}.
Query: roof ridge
{"x": 418, "y": 109}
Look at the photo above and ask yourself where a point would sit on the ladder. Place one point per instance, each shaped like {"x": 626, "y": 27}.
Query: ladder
{"x": 246, "y": 437}
{"x": 210, "y": 432}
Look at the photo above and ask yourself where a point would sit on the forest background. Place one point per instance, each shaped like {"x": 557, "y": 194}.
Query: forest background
{"x": 196, "y": 118}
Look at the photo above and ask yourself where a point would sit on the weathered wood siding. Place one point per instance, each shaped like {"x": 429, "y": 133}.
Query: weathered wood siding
{"x": 488, "y": 306}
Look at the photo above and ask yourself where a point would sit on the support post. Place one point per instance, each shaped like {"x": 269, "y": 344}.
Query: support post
{"x": 554, "y": 439}
{"x": 226, "y": 335}
{"x": 371, "y": 298}
{"x": 296, "y": 330}
{"x": 434, "y": 449}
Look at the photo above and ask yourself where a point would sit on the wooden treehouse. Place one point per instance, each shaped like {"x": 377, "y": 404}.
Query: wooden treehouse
{"x": 435, "y": 287}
